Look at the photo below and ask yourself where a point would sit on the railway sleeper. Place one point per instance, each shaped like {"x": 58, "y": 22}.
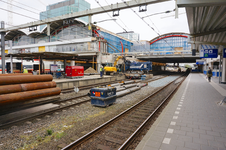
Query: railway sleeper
{"x": 125, "y": 128}
{"x": 134, "y": 119}
{"x": 113, "y": 140}
{"x": 103, "y": 147}
{"x": 119, "y": 134}
{"x": 137, "y": 116}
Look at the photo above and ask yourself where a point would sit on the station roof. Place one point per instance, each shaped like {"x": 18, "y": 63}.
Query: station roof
{"x": 53, "y": 55}
{"x": 55, "y": 25}
{"x": 206, "y": 20}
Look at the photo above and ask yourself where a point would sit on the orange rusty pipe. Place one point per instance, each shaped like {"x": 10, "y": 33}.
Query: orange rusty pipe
{"x": 23, "y": 96}
{"x": 15, "y": 74}
{"x": 6, "y": 89}
{"x": 4, "y": 80}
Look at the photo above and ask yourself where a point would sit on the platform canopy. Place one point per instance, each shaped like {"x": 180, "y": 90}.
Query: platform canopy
{"x": 53, "y": 56}
{"x": 206, "y": 20}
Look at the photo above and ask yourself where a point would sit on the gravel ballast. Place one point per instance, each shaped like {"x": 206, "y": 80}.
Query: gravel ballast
{"x": 56, "y": 130}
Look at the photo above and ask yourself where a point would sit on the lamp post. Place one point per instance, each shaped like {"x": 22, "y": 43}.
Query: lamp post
{"x": 168, "y": 11}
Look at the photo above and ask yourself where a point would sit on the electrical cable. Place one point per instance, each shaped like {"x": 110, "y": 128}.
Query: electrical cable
{"x": 23, "y": 8}
{"x": 145, "y": 22}
{"x": 152, "y": 22}
{"x": 110, "y": 15}
{"x": 19, "y": 14}
{"x": 28, "y": 6}
{"x": 42, "y": 2}
{"x": 19, "y": 7}
{"x": 118, "y": 16}
{"x": 115, "y": 21}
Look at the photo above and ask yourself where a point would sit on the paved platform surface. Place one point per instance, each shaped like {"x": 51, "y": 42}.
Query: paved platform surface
{"x": 193, "y": 119}
{"x": 216, "y": 80}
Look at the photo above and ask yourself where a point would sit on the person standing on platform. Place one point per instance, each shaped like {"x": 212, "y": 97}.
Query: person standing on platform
{"x": 25, "y": 70}
{"x": 209, "y": 74}
{"x": 101, "y": 71}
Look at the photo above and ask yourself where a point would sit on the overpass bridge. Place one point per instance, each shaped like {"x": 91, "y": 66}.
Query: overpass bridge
{"x": 164, "y": 56}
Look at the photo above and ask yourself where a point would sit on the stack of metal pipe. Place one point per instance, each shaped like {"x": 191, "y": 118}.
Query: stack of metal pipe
{"x": 18, "y": 88}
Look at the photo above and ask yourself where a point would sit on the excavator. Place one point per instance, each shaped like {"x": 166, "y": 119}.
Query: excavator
{"x": 112, "y": 69}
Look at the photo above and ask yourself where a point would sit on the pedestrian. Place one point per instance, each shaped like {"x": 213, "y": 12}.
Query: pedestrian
{"x": 101, "y": 71}
{"x": 209, "y": 74}
{"x": 25, "y": 70}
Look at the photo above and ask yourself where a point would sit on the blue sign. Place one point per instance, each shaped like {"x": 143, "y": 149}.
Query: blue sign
{"x": 209, "y": 53}
{"x": 224, "y": 53}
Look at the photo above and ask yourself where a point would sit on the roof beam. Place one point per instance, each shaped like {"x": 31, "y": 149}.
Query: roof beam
{"x": 99, "y": 10}
{"x": 212, "y": 43}
{"x": 208, "y": 32}
{"x": 196, "y": 3}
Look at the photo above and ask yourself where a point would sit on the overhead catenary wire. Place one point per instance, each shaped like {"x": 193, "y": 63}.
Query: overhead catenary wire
{"x": 24, "y": 8}
{"x": 145, "y": 21}
{"x": 152, "y": 22}
{"x": 121, "y": 21}
{"x": 19, "y": 14}
{"x": 118, "y": 16}
{"x": 28, "y": 6}
{"x": 19, "y": 7}
{"x": 110, "y": 15}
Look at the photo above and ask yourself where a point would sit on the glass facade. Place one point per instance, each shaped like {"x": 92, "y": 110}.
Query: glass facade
{"x": 76, "y": 31}
{"x": 116, "y": 42}
{"x": 64, "y": 7}
{"x": 130, "y": 35}
{"x": 170, "y": 42}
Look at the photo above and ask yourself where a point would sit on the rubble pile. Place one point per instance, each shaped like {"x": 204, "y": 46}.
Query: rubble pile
{"x": 90, "y": 70}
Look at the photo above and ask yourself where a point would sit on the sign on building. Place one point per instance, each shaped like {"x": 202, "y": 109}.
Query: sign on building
{"x": 200, "y": 62}
{"x": 208, "y": 53}
{"x": 224, "y": 53}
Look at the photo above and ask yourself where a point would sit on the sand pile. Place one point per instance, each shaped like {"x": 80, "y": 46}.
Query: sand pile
{"x": 90, "y": 70}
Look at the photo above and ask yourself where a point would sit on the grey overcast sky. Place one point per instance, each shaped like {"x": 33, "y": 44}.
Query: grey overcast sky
{"x": 162, "y": 23}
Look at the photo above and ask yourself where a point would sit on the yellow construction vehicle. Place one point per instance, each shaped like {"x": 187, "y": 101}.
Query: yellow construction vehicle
{"x": 112, "y": 69}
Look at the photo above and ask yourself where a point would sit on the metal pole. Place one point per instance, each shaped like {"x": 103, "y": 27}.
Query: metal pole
{"x": 93, "y": 62}
{"x": 65, "y": 60}
{"x": 3, "y": 51}
{"x": 11, "y": 58}
{"x": 220, "y": 70}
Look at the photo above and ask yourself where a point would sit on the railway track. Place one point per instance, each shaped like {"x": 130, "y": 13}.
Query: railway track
{"x": 63, "y": 104}
{"x": 121, "y": 131}
{"x": 64, "y": 91}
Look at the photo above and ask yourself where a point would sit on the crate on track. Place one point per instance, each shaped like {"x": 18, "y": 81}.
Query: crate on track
{"x": 103, "y": 96}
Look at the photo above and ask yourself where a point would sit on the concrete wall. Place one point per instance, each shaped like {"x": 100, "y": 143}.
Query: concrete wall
{"x": 86, "y": 82}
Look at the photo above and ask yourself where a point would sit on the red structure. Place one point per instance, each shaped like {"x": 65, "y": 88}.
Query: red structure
{"x": 168, "y": 37}
{"x": 74, "y": 71}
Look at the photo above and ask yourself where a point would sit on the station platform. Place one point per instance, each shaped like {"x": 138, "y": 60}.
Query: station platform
{"x": 193, "y": 119}
{"x": 67, "y": 83}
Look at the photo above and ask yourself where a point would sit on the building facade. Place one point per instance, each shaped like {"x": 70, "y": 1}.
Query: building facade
{"x": 64, "y": 7}
{"x": 171, "y": 42}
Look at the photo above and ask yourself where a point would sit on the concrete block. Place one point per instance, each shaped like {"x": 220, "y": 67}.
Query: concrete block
{"x": 70, "y": 84}
{"x": 65, "y": 85}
